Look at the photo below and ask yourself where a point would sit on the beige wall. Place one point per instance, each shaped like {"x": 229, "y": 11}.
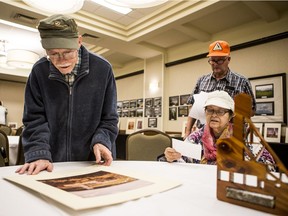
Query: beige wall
{"x": 265, "y": 59}
{"x": 12, "y": 96}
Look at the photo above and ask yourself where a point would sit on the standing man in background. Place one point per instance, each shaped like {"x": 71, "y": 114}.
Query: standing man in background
{"x": 70, "y": 111}
{"x": 221, "y": 78}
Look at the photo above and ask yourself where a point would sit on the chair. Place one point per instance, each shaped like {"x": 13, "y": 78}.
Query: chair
{"x": 146, "y": 144}
{"x": 6, "y": 129}
{"x": 19, "y": 130}
{"x": 4, "y": 149}
{"x": 20, "y": 155}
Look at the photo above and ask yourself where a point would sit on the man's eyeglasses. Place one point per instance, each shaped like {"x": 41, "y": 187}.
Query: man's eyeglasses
{"x": 65, "y": 55}
{"x": 218, "y": 62}
{"x": 220, "y": 112}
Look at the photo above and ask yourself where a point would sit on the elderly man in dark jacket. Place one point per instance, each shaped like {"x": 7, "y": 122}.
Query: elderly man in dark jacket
{"x": 70, "y": 111}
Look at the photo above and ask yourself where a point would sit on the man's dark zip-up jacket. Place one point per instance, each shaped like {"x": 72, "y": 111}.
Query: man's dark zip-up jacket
{"x": 63, "y": 123}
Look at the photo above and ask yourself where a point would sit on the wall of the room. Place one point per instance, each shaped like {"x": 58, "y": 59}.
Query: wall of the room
{"x": 265, "y": 59}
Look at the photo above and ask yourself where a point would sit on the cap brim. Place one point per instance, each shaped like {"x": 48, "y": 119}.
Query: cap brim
{"x": 217, "y": 54}
{"x": 60, "y": 43}
{"x": 217, "y": 102}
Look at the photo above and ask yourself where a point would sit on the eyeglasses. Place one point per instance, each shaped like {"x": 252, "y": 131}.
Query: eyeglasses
{"x": 218, "y": 62}
{"x": 65, "y": 55}
{"x": 220, "y": 112}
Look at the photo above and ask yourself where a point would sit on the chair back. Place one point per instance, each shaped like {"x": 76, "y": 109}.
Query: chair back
{"x": 4, "y": 149}
{"x": 146, "y": 144}
{"x": 20, "y": 155}
{"x": 19, "y": 130}
{"x": 7, "y": 130}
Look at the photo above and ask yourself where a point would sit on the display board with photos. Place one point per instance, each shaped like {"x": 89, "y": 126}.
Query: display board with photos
{"x": 270, "y": 93}
{"x": 178, "y": 106}
{"x": 153, "y": 107}
{"x": 130, "y": 108}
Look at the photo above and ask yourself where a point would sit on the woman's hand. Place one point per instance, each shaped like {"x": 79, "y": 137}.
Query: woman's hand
{"x": 171, "y": 154}
{"x": 35, "y": 167}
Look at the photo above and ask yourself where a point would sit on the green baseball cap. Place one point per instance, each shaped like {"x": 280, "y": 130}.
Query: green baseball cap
{"x": 58, "y": 32}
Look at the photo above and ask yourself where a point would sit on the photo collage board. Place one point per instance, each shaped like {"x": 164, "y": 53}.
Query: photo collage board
{"x": 271, "y": 105}
{"x": 178, "y": 106}
{"x": 130, "y": 108}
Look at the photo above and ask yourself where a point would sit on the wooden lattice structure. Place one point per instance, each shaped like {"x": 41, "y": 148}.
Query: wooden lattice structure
{"x": 249, "y": 183}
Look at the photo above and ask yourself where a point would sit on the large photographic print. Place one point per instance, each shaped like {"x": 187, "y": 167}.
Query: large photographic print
{"x": 270, "y": 94}
{"x": 93, "y": 186}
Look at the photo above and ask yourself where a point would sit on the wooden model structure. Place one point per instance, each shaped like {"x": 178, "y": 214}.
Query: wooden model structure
{"x": 246, "y": 182}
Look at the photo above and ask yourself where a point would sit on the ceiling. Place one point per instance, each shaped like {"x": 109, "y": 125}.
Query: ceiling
{"x": 143, "y": 33}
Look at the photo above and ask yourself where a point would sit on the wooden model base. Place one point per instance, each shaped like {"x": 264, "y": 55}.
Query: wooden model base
{"x": 249, "y": 183}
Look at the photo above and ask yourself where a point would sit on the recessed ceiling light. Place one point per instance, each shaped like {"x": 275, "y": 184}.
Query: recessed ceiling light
{"x": 137, "y": 4}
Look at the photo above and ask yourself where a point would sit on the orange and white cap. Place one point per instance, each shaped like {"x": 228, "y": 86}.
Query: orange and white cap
{"x": 219, "y": 48}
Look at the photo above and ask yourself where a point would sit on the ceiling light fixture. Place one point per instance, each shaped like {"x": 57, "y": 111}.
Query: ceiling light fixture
{"x": 137, "y": 4}
{"x": 21, "y": 58}
{"x": 56, "y": 6}
{"x": 122, "y": 10}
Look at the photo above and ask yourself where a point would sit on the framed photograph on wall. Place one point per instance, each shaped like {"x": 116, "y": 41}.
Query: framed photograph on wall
{"x": 139, "y": 124}
{"x": 173, "y": 113}
{"x": 152, "y": 122}
{"x": 184, "y": 99}
{"x": 183, "y": 111}
{"x": 174, "y": 101}
{"x": 130, "y": 127}
{"x": 264, "y": 108}
{"x": 270, "y": 93}
{"x": 272, "y": 132}
{"x": 157, "y": 102}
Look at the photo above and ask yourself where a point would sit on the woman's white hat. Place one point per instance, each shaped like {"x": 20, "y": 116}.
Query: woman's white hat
{"x": 220, "y": 99}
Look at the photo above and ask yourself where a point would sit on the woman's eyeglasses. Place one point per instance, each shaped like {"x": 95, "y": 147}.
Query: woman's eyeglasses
{"x": 218, "y": 62}
{"x": 220, "y": 112}
{"x": 65, "y": 55}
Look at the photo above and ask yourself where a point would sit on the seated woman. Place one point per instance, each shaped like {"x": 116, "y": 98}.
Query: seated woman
{"x": 219, "y": 109}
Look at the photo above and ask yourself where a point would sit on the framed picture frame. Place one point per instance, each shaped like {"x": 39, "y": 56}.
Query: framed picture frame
{"x": 152, "y": 122}
{"x": 184, "y": 99}
{"x": 140, "y": 103}
{"x": 125, "y": 104}
{"x": 174, "y": 101}
{"x": 148, "y": 102}
{"x": 119, "y": 105}
{"x": 270, "y": 93}
{"x": 264, "y": 108}
{"x": 272, "y": 132}
{"x": 259, "y": 127}
{"x": 183, "y": 111}
{"x": 173, "y": 113}
{"x": 157, "y": 102}
{"x": 132, "y": 103}
{"x": 130, "y": 127}
{"x": 139, "y": 124}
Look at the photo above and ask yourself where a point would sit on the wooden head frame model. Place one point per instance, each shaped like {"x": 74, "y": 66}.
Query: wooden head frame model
{"x": 247, "y": 182}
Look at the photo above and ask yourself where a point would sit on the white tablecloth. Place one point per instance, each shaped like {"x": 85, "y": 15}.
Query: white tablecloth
{"x": 196, "y": 195}
{"x": 13, "y": 149}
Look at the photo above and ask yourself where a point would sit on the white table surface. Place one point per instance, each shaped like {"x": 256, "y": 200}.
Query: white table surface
{"x": 13, "y": 149}
{"x": 196, "y": 195}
